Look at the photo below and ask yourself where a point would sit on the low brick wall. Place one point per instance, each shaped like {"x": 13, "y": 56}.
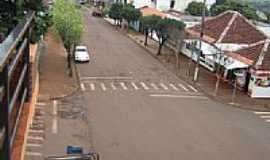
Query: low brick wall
{"x": 28, "y": 111}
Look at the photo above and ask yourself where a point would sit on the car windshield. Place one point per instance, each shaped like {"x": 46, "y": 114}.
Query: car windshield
{"x": 81, "y": 49}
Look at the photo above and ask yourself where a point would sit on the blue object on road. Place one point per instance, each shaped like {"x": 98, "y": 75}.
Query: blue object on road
{"x": 74, "y": 150}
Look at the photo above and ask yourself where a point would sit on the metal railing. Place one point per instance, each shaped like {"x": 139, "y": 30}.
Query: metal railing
{"x": 2, "y": 137}
{"x": 15, "y": 81}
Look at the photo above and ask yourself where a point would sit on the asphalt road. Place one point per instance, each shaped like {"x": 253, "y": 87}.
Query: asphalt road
{"x": 138, "y": 110}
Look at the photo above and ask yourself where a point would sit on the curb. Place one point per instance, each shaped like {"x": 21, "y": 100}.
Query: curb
{"x": 33, "y": 102}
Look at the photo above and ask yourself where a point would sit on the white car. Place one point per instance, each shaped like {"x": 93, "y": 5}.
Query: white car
{"x": 81, "y": 54}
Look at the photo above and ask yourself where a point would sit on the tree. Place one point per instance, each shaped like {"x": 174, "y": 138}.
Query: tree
{"x": 241, "y": 7}
{"x": 196, "y": 8}
{"x": 163, "y": 29}
{"x": 68, "y": 23}
{"x": 148, "y": 24}
{"x": 129, "y": 13}
{"x": 115, "y": 12}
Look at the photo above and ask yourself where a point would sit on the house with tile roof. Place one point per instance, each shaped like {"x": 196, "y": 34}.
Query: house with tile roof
{"x": 232, "y": 41}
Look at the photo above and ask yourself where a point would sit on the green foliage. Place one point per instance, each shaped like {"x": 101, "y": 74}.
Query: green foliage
{"x": 243, "y": 8}
{"x": 105, "y": 11}
{"x": 129, "y": 13}
{"x": 196, "y": 8}
{"x": 150, "y": 22}
{"x": 115, "y": 11}
{"x": 118, "y": 11}
{"x": 42, "y": 22}
{"x": 68, "y": 22}
{"x": 162, "y": 27}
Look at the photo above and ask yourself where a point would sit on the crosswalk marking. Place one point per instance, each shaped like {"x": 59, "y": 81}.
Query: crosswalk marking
{"x": 36, "y": 131}
{"x": 92, "y": 86}
{"x": 183, "y": 87}
{"x": 113, "y": 86}
{"x": 41, "y": 104}
{"x": 123, "y": 85}
{"x": 268, "y": 120}
{"x": 262, "y": 113}
{"x": 82, "y": 87}
{"x": 103, "y": 87}
{"x": 35, "y": 138}
{"x": 154, "y": 86}
{"x": 164, "y": 86}
{"x": 34, "y": 154}
{"x": 174, "y": 87}
{"x": 33, "y": 145}
{"x": 192, "y": 88}
{"x": 134, "y": 86}
{"x": 144, "y": 86}
{"x": 265, "y": 117}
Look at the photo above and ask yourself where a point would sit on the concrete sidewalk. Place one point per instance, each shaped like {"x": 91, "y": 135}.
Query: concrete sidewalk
{"x": 54, "y": 79}
{"x": 207, "y": 79}
{"x": 55, "y": 87}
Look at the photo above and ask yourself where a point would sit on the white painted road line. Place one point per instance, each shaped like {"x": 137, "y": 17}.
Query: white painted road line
{"x": 92, "y": 86}
{"x": 107, "y": 78}
{"x": 134, "y": 86}
{"x": 82, "y": 87}
{"x": 164, "y": 86}
{"x": 174, "y": 87}
{"x": 183, "y": 87}
{"x": 36, "y": 131}
{"x": 41, "y": 104}
{"x": 33, "y": 145}
{"x": 154, "y": 86}
{"x": 35, "y": 138}
{"x": 113, "y": 86}
{"x": 176, "y": 96}
{"x": 123, "y": 85}
{"x": 54, "y": 122}
{"x": 103, "y": 87}
{"x": 262, "y": 113}
{"x": 192, "y": 88}
{"x": 38, "y": 154}
{"x": 55, "y": 108}
{"x": 265, "y": 117}
{"x": 144, "y": 86}
{"x": 268, "y": 120}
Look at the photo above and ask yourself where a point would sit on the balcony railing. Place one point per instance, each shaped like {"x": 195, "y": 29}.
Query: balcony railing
{"x": 15, "y": 82}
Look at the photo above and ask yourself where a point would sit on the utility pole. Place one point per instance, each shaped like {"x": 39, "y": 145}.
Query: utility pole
{"x": 196, "y": 73}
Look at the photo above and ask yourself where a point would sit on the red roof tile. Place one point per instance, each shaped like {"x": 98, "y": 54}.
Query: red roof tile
{"x": 148, "y": 11}
{"x": 242, "y": 31}
{"x": 215, "y": 26}
{"x": 251, "y": 53}
{"x": 230, "y": 27}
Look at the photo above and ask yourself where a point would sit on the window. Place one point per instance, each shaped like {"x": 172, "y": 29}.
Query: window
{"x": 172, "y": 4}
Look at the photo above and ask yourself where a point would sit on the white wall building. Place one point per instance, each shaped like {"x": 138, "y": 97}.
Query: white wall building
{"x": 163, "y": 5}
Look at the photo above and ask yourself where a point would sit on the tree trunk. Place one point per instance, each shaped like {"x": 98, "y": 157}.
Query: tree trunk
{"x": 146, "y": 38}
{"x": 159, "y": 49}
{"x": 160, "y": 46}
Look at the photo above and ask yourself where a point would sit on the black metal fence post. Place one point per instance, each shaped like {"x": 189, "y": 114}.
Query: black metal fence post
{"x": 6, "y": 102}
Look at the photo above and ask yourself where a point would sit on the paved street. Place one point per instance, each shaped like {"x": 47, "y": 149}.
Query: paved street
{"x": 137, "y": 110}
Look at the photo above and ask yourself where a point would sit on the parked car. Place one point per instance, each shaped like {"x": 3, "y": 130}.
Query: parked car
{"x": 82, "y": 1}
{"x": 81, "y": 54}
{"x": 97, "y": 13}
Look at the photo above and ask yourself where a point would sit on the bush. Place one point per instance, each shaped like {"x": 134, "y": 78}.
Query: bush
{"x": 42, "y": 22}
{"x": 195, "y": 8}
{"x": 241, "y": 7}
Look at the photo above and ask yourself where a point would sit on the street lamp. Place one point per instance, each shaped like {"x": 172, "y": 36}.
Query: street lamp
{"x": 196, "y": 73}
